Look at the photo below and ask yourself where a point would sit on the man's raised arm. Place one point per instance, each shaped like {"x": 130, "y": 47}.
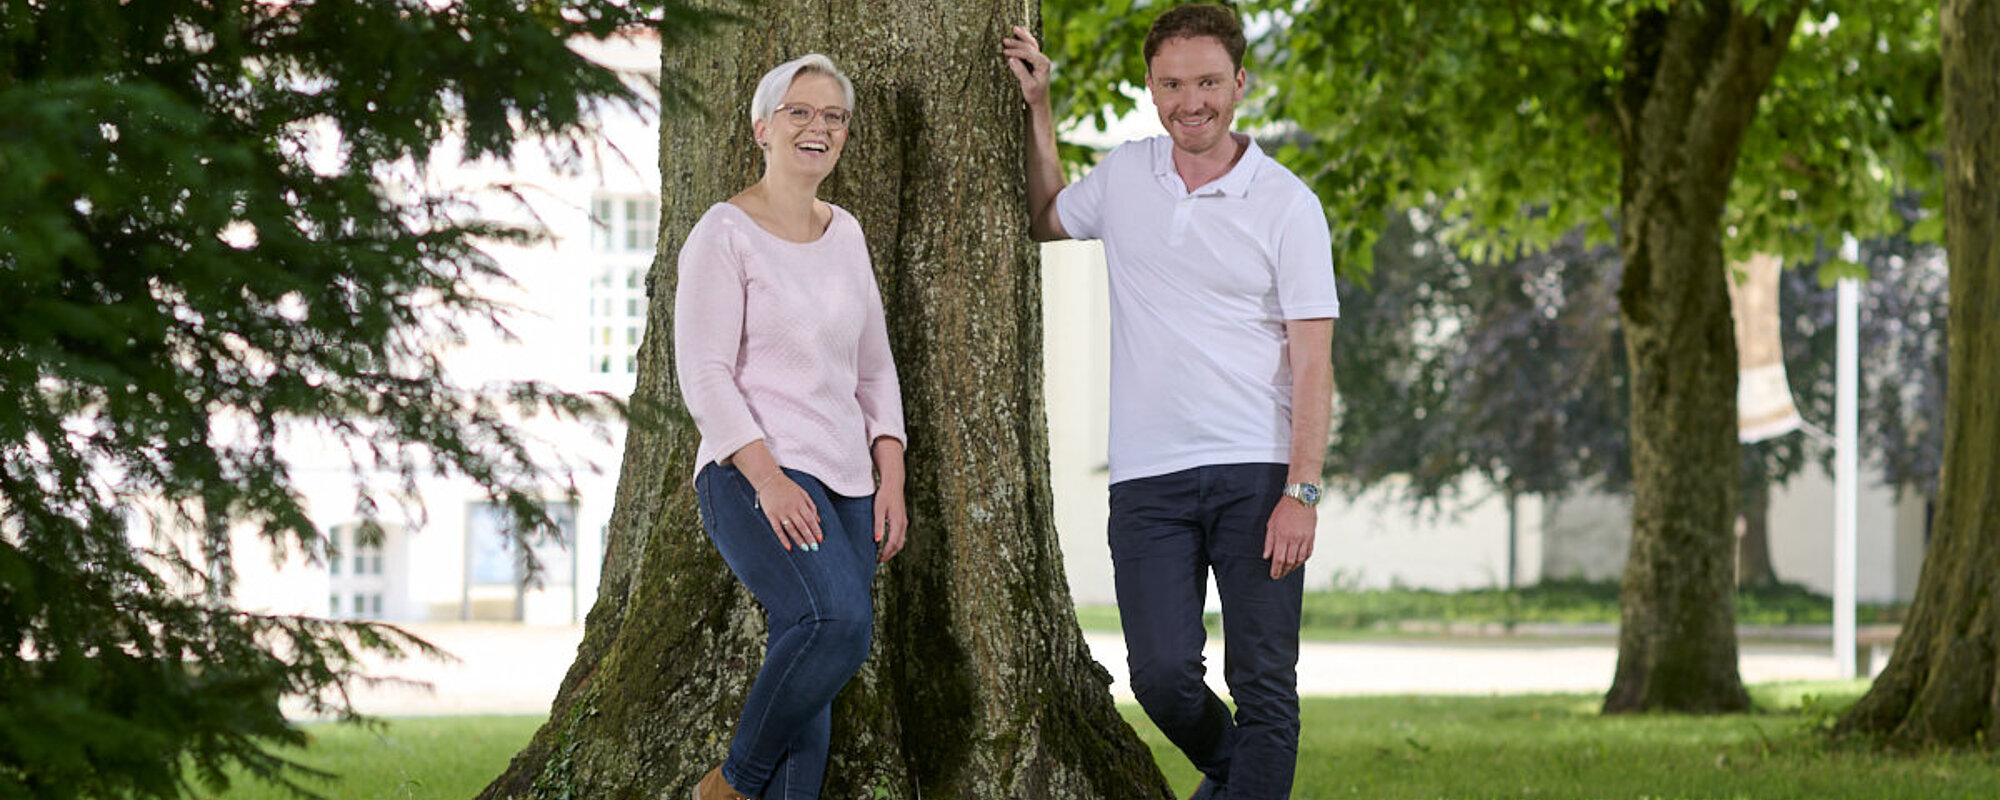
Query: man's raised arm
{"x": 1045, "y": 178}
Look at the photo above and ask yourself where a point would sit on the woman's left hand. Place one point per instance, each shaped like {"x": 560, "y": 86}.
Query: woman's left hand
{"x": 891, "y": 523}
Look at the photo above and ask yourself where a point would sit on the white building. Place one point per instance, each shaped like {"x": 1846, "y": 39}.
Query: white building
{"x": 582, "y": 314}
{"x": 579, "y": 312}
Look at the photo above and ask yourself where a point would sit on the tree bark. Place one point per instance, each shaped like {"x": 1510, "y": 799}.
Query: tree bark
{"x": 1693, "y": 74}
{"x": 1941, "y": 686}
{"x": 1753, "y": 548}
{"x": 980, "y": 684}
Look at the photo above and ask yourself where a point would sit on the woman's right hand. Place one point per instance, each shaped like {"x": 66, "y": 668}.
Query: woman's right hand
{"x": 791, "y": 511}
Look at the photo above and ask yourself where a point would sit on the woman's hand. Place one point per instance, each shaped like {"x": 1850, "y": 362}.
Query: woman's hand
{"x": 892, "y": 522}
{"x": 791, "y": 511}
{"x": 892, "y": 519}
{"x": 793, "y": 516}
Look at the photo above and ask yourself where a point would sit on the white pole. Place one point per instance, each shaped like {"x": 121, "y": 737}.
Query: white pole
{"x": 1846, "y": 466}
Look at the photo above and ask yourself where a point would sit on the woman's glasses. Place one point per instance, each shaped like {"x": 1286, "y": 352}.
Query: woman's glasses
{"x": 802, "y": 115}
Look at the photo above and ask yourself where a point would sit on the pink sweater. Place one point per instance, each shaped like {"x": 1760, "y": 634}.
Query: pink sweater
{"x": 785, "y": 342}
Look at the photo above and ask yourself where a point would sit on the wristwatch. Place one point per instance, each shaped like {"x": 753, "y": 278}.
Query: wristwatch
{"x": 1307, "y": 493}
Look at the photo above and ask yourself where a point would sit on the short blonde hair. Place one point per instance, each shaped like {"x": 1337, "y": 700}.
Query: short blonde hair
{"x": 771, "y": 90}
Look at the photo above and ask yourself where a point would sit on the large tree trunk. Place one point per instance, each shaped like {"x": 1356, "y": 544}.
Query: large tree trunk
{"x": 980, "y": 685}
{"x": 1942, "y": 686}
{"x": 1693, "y": 74}
{"x": 1753, "y": 548}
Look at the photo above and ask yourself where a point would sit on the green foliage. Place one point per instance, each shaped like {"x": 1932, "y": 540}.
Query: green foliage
{"x": 1512, "y": 370}
{"x": 1487, "y": 342}
{"x": 1504, "y": 115}
{"x": 1903, "y": 350}
{"x": 216, "y": 234}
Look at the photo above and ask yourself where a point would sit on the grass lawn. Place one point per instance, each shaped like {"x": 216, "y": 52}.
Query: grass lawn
{"x": 1420, "y": 748}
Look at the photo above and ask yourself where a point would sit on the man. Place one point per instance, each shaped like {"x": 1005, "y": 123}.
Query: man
{"x": 1222, "y": 307}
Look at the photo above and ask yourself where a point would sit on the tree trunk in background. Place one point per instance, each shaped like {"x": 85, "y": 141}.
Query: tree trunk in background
{"x": 980, "y": 685}
{"x": 1753, "y": 548}
{"x": 1693, "y": 75}
{"x": 1942, "y": 686}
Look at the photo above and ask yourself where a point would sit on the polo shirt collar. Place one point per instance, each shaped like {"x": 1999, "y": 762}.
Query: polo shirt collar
{"x": 1235, "y": 183}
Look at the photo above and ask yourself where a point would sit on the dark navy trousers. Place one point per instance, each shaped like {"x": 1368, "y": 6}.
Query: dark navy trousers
{"x": 821, "y": 618}
{"x": 1168, "y": 532}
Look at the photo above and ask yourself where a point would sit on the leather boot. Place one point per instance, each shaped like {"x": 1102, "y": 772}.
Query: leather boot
{"x": 713, "y": 787}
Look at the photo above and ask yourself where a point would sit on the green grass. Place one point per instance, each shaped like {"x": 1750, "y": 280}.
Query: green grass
{"x": 413, "y": 758}
{"x": 1429, "y": 748}
{"x": 1350, "y": 612}
{"x": 1383, "y": 748}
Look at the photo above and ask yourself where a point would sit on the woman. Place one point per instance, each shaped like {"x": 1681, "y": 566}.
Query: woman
{"x": 784, "y": 363}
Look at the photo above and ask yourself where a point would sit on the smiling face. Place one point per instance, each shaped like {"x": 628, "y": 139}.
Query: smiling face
{"x": 1196, "y": 88}
{"x": 810, "y": 149}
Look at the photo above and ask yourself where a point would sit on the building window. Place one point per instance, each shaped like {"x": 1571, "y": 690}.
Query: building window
{"x": 601, "y": 223}
{"x": 496, "y": 567}
{"x": 356, "y": 567}
{"x": 624, "y": 224}
{"x": 642, "y": 219}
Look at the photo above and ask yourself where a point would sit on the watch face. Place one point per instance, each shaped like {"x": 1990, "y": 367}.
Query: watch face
{"x": 1309, "y": 493}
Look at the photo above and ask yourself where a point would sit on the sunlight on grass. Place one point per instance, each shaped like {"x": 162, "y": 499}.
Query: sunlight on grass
{"x": 412, "y": 758}
{"x": 1379, "y": 748}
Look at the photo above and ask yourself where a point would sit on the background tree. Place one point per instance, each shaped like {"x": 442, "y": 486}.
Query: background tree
{"x": 1508, "y": 370}
{"x": 180, "y": 283}
{"x": 1902, "y": 366}
{"x": 980, "y": 684}
{"x": 1570, "y": 108}
{"x": 1942, "y": 685}
{"x": 1445, "y": 364}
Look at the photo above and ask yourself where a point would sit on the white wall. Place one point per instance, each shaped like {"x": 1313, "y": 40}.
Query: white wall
{"x": 1802, "y": 537}
{"x": 1587, "y": 537}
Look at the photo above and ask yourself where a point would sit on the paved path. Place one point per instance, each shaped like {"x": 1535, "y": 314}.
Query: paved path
{"x": 514, "y": 669}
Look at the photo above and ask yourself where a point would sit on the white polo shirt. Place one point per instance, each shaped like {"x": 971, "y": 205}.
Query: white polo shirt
{"x": 1201, "y": 286}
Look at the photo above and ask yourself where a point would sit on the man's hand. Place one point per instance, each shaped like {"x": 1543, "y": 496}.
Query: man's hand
{"x": 1030, "y": 67}
{"x": 1044, "y": 168}
{"x": 1288, "y": 537}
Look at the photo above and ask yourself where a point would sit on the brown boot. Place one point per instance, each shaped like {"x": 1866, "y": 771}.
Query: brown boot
{"x": 713, "y": 787}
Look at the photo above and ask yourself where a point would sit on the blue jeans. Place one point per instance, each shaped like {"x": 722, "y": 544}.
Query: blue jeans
{"x": 821, "y": 618}
{"x": 1167, "y": 532}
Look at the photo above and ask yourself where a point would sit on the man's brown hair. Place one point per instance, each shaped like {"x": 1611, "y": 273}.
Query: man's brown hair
{"x": 1201, "y": 19}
